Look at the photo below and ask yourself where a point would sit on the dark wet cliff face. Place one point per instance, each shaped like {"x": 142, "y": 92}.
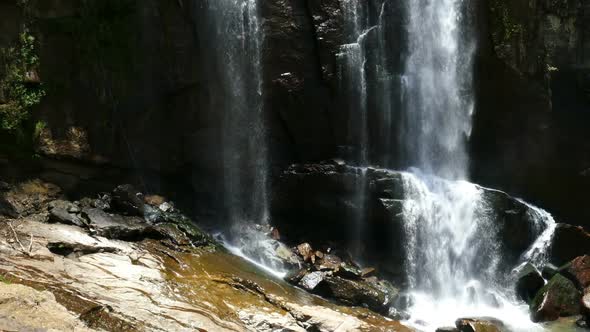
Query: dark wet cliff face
{"x": 130, "y": 85}
{"x": 529, "y": 137}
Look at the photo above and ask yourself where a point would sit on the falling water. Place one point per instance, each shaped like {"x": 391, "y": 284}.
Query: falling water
{"x": 353, "y": 75}
{"x": 438, "y": 92}
{"x": 238, "y": 41}
{"x": 243, "y": 138}
{"x": 453, "y": 247}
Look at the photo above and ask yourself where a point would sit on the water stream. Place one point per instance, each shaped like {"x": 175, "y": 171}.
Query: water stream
{"x": 453, "y": 251}
{"x": 238, "y": 54}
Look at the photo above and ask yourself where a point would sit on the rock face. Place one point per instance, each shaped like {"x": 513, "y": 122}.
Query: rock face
{"x": 529, "y": 282}
{"x": 149, "y": 114}
{"x": 531, "y": 78}
{"x": 319, "y": 202}
{"x": 111, "y": 274}
{"x": 26, "y": 309}
{"x": 558, "y": 298}
{"x": 479, "y": 325}
{"x": 579, "y": 271}
{"x": 562, "y": 250}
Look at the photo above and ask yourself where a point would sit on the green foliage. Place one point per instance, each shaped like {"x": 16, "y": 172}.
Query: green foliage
{"x": 18, "y": 85}
{"x": 5, "y": 280}
{"x": 504, "y": 27}
{"x": 39, "y": 128}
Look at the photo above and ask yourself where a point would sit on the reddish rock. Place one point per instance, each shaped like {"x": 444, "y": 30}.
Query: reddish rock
{"x": 367, "y": 272}
{"x": 579, "y": 271}
{"x": 274, "y": 234}
{"x": 558, "y": 298}
{"x": 305, "y": 251}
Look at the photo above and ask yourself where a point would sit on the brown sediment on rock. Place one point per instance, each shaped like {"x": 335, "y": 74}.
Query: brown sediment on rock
{"x": 178, "y": 281}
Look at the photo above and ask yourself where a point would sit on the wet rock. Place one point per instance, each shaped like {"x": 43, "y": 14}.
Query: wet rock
{"x": 305, "y": 251}
{"x": 102, "y": 317}
{"x": 68, "y": 248}
{"x": 529, "y": 282}
{"x": 447, "y": 329}
{"x": 357, "y": 293}
{"x": 367, "y": 272}
{"x": 166, "y": 207}
{"x": 479, "y": 325}
{"x": 329, "y": 263}
{"x": 286, "y": 255}
{"x": 349, "y": 271}
{"x": 586, "y": 306}
{"x": 275, "y": 234}
{"x": 558, "y": 298}
{"x": 126, "y": 199}
{"x": 397, "y": 314}
{"x": 311, "y": 280}
{"x": 579, "y": 271}
{"x": 154, "y": 200}
{"x": 64, "y": 212}
{"x": 562, "y": 250}
{"x": 295, "y": 275}
{"x": 119, "y": 227}
{"x": 549, "y": 271}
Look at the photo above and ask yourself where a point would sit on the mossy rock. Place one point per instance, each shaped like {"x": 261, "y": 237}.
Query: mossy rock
{"x": 559, "y": 298}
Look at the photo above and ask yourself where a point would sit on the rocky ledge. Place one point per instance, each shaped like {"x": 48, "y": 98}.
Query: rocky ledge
{"x": 127, "y": 262}
{"x": 320, "y": 203}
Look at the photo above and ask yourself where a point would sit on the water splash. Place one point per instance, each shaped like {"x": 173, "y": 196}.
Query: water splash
{"x": 258, "y": 249}
{"x": 454, "y": 256}
{"x": 545, "y": 225}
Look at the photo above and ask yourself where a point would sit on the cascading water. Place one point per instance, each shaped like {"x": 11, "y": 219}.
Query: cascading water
{"x": 454, "y": 256}
{"x": 453, "y": 251}
{"x": 438, "y": 88}
{"x": 238, "y": 45}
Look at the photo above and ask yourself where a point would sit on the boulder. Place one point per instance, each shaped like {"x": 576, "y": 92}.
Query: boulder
{"x": 329, "y": 263}
{"x": 306, "y": 252}
{"x": 558, "y": 298}
{"x": 294, "y": 276}
{"x": 357, "y": 293}
{"x": 312, "y": 280}
{"x": 126, "y": 199}
{"x": 447, "y": 329}
{"x": 549, "y": 270}
{"x": 579, "y": 271}
{"x": 529, "y": 282}
{"x": 79, "y": 249}
{"x": 479, "y": 325}
{"x": 321, "y": 203}
{"x": 64, "y": 212}
{"x": 562, "y": 248}
{"x": 586, "y": 306}
{"x": 119, "y": 227}
{"x": 349, "y": 271}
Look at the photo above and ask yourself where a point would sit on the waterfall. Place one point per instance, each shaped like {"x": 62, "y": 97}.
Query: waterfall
{"x": 438, "y": 87}
{"x": 452, "y": 240}
{"x": 238, "y": 51}
{"x": 238, "y": 54}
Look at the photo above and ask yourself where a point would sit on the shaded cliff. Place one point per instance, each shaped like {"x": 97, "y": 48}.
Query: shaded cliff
{"x": 129, "y": 88}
